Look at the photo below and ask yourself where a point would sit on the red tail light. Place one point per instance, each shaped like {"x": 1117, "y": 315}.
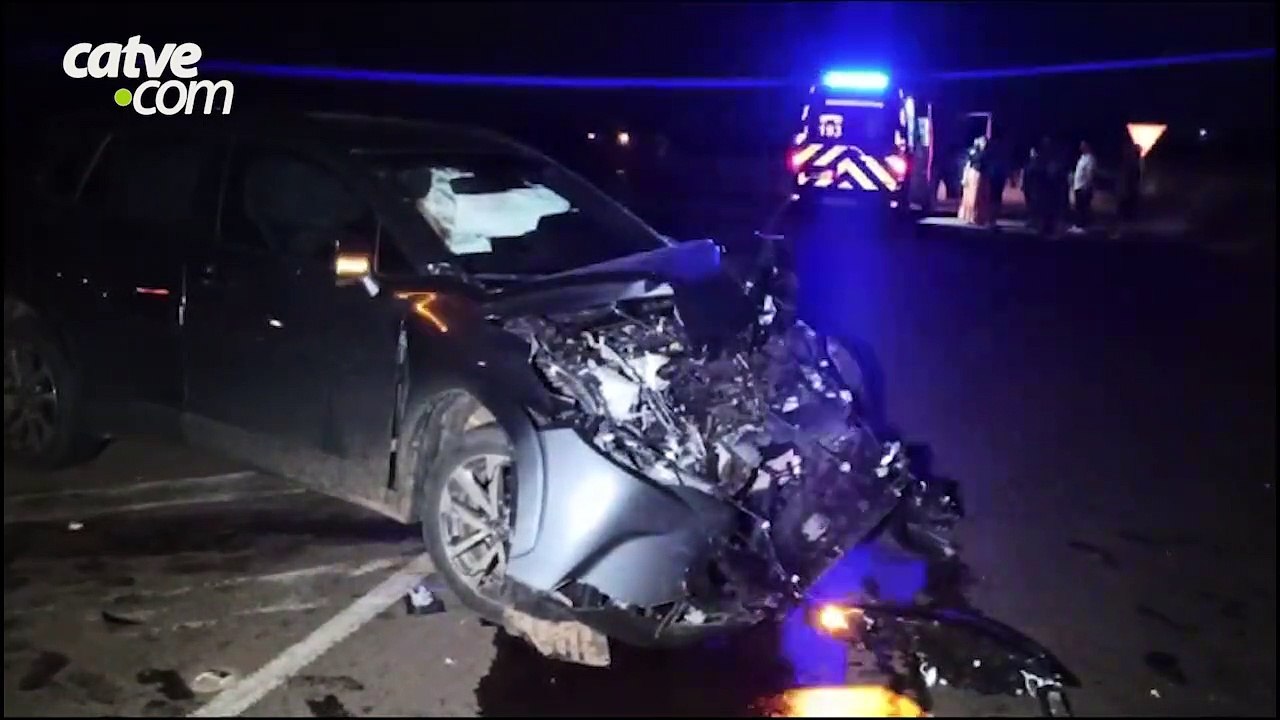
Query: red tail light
{"x": 897, "y": 165}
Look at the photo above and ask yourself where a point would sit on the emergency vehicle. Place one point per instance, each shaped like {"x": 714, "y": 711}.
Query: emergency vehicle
{"x": 862, "y": 140}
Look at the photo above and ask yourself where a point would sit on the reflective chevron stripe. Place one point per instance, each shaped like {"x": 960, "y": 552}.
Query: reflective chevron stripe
{"x": 880, "y": 172}
{"x": 830, "y": 155}
{"x": 848, "y": 166}
{"x": 800, "y": 157}
{"x": 853, "y": 168}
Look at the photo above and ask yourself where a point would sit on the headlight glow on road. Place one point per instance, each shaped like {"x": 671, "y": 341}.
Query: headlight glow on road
{"x": 836, "y": 619}
{"x": 848, "y": 701}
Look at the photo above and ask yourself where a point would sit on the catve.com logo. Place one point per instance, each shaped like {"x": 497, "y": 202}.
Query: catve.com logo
{"x": 136, "y": 58}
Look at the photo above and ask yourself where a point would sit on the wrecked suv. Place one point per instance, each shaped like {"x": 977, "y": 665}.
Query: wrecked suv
{"x": 594, "y": 424}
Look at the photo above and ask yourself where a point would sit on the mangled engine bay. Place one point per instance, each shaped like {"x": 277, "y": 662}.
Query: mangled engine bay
{"x": 767, "y": 419}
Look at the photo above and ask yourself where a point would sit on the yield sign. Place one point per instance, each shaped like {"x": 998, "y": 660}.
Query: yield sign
{"x": 1145, "y": 135}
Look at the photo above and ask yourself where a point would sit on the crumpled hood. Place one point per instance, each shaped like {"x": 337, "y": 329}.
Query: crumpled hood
{"x": 711, "y": 303}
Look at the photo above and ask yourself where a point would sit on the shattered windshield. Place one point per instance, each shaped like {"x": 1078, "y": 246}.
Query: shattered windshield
{"x": 504, "y": 214}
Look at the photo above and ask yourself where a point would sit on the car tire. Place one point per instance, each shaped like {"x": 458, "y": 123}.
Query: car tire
{"x": 43, "y": 427}
{"x": 440, "y": 519}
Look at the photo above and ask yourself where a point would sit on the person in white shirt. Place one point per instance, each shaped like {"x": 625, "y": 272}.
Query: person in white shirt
{"x": 1082, "y": 187}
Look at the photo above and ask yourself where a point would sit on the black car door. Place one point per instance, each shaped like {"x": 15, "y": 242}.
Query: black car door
{"x": 270, "y": 333}
{"x": 145, "y": 202}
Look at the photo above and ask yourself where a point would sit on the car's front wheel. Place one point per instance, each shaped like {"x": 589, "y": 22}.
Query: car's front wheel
{"x": 41, "y": 399}
{"x": 467, "y": 516}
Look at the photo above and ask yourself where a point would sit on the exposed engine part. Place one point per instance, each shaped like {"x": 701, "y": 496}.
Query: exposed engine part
{"x": 769, "y": 424}
{"x": 963, "y": 649}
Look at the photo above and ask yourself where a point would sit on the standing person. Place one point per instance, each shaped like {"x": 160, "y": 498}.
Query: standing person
{"x": 1054, "y": 190}
{"x": 1082, "y": 187}
{"x": 1038, "y": 185}
{"x": 1032, "y": 185}
{"x": 995, "y": 167}
{"x": 1128, "y": 187}
{"x": 973, "y": 200}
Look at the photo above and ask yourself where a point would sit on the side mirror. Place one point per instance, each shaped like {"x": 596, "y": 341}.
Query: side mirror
{"x": 350, "y": 267}
{"x": 353, "y": 264}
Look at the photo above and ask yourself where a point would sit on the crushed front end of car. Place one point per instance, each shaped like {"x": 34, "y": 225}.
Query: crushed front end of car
{"x": 754, "y": 418}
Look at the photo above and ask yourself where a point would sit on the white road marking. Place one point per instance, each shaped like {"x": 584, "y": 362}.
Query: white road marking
{"x": 244, "y": 694}
{"x": 343, "y": 569}
{"x": 82, "y": 512}
{"x": 133, "y": 488}
{"x": 286, "y": 606}
{"x": 192, "y": 625}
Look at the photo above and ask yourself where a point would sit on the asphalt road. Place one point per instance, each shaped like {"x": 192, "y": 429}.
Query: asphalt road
{"x": 1109, "y": 409}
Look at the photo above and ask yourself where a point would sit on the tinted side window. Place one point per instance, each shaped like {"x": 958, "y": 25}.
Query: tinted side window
{"x": 145, "y": 179}
{"x": 291, "y": 205}
{"x": 67, "y": 157}
{"x": 390, "y": 260}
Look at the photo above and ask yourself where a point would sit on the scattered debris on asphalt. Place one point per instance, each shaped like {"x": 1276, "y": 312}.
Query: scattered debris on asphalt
{"x": 1166, "y": 665}
{"x": 921, "y": 647}
{"x": 328, "y": 706}
{"x": 169, "y": 682}
{"x": 329, "y": 682}
{"x": 424, "y": 599}
{"x": 42, "y": 669}
{"x": 212, "y": 681}
{"x": 125, "y": 619}
{"x": 1102, "y": 554}
{"x": 97, "y": 688}
{"x": 565, "y": 640}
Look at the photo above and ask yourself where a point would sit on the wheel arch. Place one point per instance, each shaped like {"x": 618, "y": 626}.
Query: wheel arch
{"x": 21, "y": 307}
{"x": 436, "y": 416}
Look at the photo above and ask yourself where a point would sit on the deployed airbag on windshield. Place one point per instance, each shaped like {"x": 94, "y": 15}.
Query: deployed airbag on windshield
{"x": 468, "y": 222}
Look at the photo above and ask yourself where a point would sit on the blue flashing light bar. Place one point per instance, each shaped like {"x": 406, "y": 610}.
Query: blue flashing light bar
{"x": 860, "y": 80}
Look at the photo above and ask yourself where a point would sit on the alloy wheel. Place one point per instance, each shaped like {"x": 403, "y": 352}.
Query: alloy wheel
{"x": 476, "y": 521}
{"x": 30, "y": 400}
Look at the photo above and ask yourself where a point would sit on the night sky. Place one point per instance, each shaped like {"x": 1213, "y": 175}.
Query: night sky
{"x": 661, "y": 38}
{"x": 782, "y": 40}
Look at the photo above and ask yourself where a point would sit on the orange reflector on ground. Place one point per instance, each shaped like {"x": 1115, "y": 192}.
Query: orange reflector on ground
{"x": 849, "y": 701}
